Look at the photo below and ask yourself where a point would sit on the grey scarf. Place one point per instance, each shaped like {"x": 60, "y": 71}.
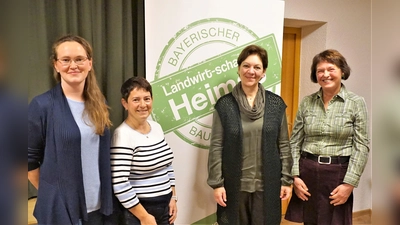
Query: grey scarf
{"x": 252, "y": 113}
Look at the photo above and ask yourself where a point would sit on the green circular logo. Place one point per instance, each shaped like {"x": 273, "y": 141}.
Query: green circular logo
{"x": 196, "y": 67}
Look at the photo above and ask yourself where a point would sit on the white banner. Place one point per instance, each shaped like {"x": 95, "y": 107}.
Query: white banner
{"x": 191, "y": 52}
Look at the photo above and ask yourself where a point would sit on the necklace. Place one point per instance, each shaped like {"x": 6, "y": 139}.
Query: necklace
{"x": 250, "y": 97}
{"x": 146, "y": 129}
{"x": 146, "y": 135}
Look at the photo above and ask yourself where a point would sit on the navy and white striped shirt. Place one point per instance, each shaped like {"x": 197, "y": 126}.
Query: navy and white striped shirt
{"x": 141, "y": 165}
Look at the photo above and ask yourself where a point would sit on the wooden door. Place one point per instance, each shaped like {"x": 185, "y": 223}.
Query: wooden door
{"x": 290, "y": 77}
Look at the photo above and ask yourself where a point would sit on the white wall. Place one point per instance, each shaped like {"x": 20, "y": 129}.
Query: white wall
{"x": 345, "y": 26}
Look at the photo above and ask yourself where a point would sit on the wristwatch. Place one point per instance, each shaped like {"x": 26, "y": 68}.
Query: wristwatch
{"x": 174, "y": 197}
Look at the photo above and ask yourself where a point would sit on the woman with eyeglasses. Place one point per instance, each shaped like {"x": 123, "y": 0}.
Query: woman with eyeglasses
{"x": 69, "y": 142}
{"x": 329, "y": 146}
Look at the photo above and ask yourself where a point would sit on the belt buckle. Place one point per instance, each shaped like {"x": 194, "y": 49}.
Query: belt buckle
{"x": 319, "y": 159}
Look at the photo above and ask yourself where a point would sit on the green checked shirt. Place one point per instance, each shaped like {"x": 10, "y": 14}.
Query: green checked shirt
{"x": 340, "y": 130}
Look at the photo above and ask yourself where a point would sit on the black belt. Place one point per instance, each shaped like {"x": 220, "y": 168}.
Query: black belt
{"x": 326, "y": 159}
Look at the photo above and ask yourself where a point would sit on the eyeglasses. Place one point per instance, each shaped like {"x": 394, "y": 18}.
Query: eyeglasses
{"x": 321, "y": 72}
{"x": 77, "y": 60}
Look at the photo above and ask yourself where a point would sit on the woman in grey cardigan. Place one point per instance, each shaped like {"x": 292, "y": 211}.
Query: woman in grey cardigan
{"x": 249, "y": 159}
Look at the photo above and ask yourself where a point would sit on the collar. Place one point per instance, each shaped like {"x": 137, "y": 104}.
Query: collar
{"x": 342, "y": 93}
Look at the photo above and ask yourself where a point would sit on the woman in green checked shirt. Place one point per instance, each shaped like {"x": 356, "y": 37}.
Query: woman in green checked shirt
{"x": 329, "y": 146}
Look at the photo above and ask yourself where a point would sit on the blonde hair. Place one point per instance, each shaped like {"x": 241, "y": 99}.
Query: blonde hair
{"x": 95, "y": 104}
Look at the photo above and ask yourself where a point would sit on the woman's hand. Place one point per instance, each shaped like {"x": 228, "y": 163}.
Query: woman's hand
{"x": 33, "y": 177}
{"x": 145, "y": 218}
{"x": 220, "y": 196}
{"x": 148, "y": 220}
{"x": 286, "y": 192}
{"x": 300, "y": 188}
{"x": 173, "y": 211}
{"x": 340, "y": 194}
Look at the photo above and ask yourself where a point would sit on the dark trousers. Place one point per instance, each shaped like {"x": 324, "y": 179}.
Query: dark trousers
{"x": 157, "y": 207}
{"x": 251, "y": 208}
{"x": 96, "y": 218}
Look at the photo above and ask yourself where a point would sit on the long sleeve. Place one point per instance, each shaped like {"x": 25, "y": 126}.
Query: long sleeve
{"x": 121, "y": 163}
{"x": 36, "y": 134}
{"x": 171, "y": 175}
{"x": 341, "y": 130}
{"x": 296, "y": 140}
{"x": 286, "y": 155}
{"x": 215, "y": 178}
{"x": 360, "y": 150}
{"x": 141, "y": 166}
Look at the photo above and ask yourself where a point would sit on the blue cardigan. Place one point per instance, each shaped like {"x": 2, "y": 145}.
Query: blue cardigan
{"x": 54, "y": 145}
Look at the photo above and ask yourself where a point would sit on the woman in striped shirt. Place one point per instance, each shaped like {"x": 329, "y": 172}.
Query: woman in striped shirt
{"x": 141, "y": 161}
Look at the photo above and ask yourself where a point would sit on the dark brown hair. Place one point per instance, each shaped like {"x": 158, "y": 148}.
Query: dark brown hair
{"x": 254, "y": 50}
{"x": 330, "y": 56}
{"x": 135, "y": 83}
